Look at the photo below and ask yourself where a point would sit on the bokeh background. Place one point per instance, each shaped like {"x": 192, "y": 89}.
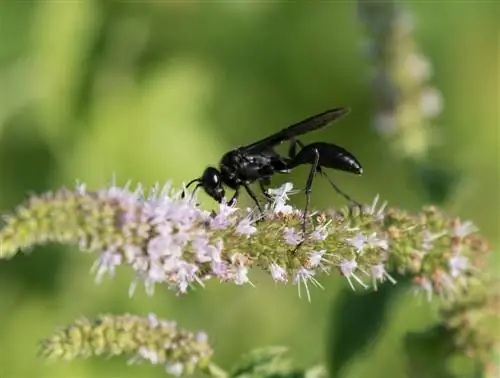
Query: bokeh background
{"x": 156, "y": 90}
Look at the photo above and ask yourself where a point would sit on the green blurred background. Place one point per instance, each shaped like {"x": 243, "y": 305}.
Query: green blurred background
{"x": 156, "y": 90}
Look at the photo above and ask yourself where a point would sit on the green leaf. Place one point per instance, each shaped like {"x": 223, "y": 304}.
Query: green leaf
{"x": 262, "y": 362}
{"x": 428, "y": 353}
{"x": 357, "y": 321}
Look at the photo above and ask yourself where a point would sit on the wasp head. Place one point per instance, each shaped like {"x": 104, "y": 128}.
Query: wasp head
{"x": 212, "y": 184}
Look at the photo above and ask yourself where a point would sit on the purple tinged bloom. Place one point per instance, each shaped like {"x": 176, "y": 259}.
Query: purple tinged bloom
{"x": 278, "y": 273}
{"x": 360, "y": 242}
{"x": 219, "y": 269}
{"x": 291, "y": 236}
{"x": 206, "y": 252}
{"x": 320, "y": 232}
{"x": 357, "y": 242}
{"x": 201, "y": 337}
{"x": 281, "y": 207}
{"x": 241, "y": 275}
{"x": 280, "y": 198}
{"x": 281, "y": 192}
{"x": 239, "y": 272}
{"x": 464, "y": 229}
{"x": 347, "y": 267}
{"x": 379, "y": 273}
{"x": 372, "y": 241}
{"x": 153, "y": 320}
{"x": 372, "y": 210}
{"x": 176, "y": 369}
{"x": 425, "y": 284}
{"x": 106, "y": 263}
{"x": 186, "y": 273}
{"x": 446, "y": 286}
{"x": 245, "y": 227}
{"x": 224, "y": 217}
{"x": 428, "y": 239}
{"x": 303, "y": 277}
{"x": 458, "y": 264}
{"x": 148, "y": 355}
{"x": 317, "y": 260}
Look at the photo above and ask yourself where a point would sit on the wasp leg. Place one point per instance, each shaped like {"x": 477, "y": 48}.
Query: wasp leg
{"x": 234, "y": 198}
{"x": 262, "y": 184}
{"x": 338, "y": 190}
{"x": 310, "y": 178}
{"x": 254, "y": 197}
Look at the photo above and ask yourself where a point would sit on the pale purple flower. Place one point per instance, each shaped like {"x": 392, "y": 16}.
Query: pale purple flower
{"x": 148, "y": 355}
{"x": 239, "y": 269}
{"x": 278, "y": 273}
{"x": 201, "y": 247}
{"x": 347, "y": 267}
{"x": 372, "y": 241}
{"x": 176, "y": 369}
{"x": 245, "y": 227}
{"x": 106, "y": 263}
{"x": 280, "y": 198}
{"x": 205, "y": 252}
{"x": 156, "y": 272}
{"x": 372, "y": 210}
{"x": 241, "y": 275}
{"x": 445, "y": 286}
{"x": 425, "y": 284}
{"x": 281, "y": 207}
{"x": 428, "y": 239}
{"x": 224, "y": 218}
{"x": 201, "y": 337}
{"x": 159, "y": 246}
{"x": 281, "y": 193}
{"x": 291, "y": 236}
{"x": 320, "y": 232}
{"x": 81, "y": 187}
{"x": 464, "y": 229}
{"x": 379, "y": 273}
{"x": 302, "y": 277}
{"x": 458, "y": 264}
{"x": 219, "y": 269}
{"x": 153, "y": 320}
{"x": 317, "y": 260}
{"x": 358, "y": 242}
{"x": 186, "y": 273}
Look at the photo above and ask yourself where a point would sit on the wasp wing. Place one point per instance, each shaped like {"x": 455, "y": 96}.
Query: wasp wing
{"x": 310, "y": 124}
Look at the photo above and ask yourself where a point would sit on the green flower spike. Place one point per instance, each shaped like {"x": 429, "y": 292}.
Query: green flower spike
{"x": 142, "y": 338}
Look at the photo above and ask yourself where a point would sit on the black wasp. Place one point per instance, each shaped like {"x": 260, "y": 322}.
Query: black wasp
{"x": 258, "y": 161}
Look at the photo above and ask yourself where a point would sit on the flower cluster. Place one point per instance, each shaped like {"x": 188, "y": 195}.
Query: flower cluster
{"x": 406, "y": 103}
{"x": 472, "y": 318}
{"x": 169, "y": 239}
{"x": 142, "y": 338}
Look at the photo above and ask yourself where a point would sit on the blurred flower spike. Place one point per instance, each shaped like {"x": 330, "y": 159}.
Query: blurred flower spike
{"x": 169, "y": 239}
{"x": 142, "y": 338}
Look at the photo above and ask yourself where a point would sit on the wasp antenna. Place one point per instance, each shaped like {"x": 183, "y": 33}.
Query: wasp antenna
{"x": 192, "y": 182}
{"x": 196, "y": 188}
{"x": 189, "y": 184}
{"x": 339, "y": 191}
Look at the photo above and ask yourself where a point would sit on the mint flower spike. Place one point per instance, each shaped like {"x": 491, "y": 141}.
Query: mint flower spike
{"x": 407, "y": 102}
{"x": 167, "y": 239}
{"x": 142, "y": 338}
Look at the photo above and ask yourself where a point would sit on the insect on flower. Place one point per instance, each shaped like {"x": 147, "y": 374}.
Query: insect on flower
{"x": 258, "y": 162}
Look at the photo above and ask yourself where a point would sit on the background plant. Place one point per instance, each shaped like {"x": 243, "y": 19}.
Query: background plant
{"x": 91, "y": 88}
